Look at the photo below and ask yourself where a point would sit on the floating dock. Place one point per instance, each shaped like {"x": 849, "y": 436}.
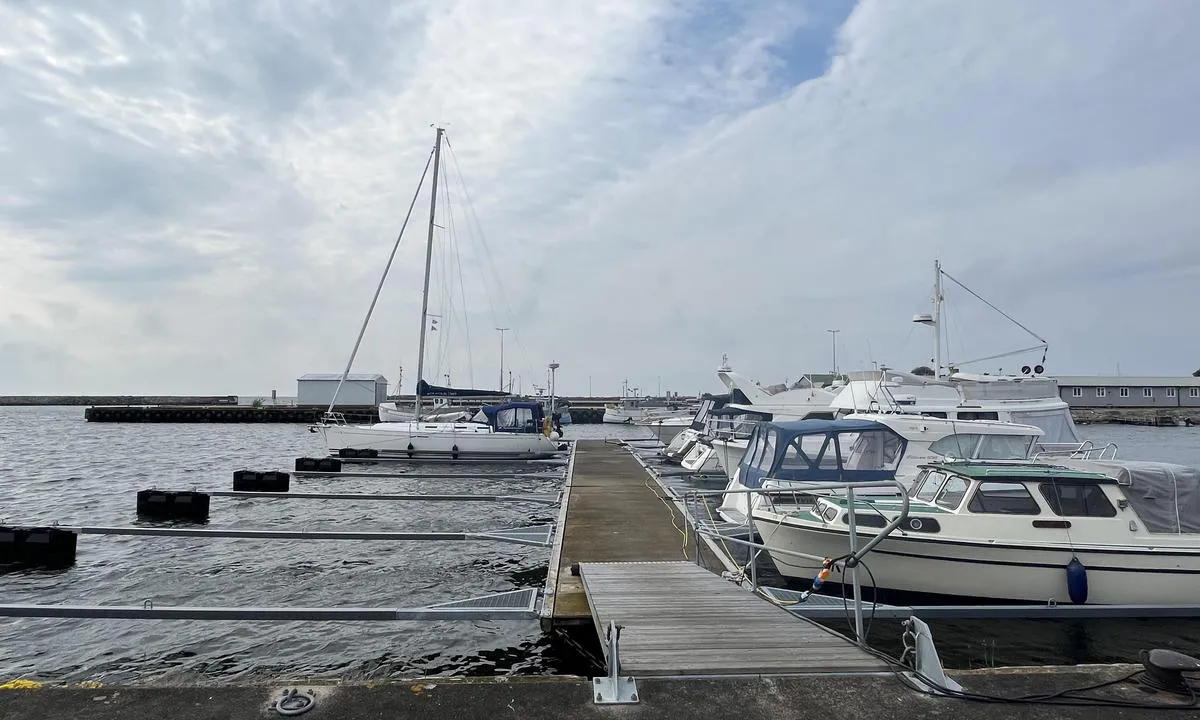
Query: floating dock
{"x": 679, "y": 619}
{"x": 612, "y": 511}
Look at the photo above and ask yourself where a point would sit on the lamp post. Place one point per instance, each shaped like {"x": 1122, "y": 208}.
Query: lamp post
{"x": 834, "y": 334}
{"x": 502, "y": 331}
{"x": 553, "y": 367}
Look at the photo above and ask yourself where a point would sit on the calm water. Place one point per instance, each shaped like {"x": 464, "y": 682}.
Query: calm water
{"x": 57, "y": 468}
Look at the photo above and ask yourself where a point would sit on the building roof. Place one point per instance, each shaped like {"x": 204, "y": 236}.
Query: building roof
{"x": 1127, "y": 381}
{"x": 338, "y": 376}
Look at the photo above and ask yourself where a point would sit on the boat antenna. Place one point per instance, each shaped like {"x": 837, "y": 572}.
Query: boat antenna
{"x": 437, "y": 156}
{"x": 379, "y": 287}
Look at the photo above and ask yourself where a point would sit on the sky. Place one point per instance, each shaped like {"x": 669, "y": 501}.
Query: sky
{"x": 201, "y": 197}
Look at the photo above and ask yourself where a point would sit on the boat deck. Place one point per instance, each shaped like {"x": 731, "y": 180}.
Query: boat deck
{"x": 612, "y": 511}
{"x": 679, "y": 619}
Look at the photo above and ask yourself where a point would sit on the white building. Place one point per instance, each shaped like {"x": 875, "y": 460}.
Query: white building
{"x": 359, "y": 389}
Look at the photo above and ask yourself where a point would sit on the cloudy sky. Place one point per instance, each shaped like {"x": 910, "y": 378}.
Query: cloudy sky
{"x": 200, "y": 197}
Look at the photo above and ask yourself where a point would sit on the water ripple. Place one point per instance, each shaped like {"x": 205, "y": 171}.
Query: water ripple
{"x": 56, "y": 468}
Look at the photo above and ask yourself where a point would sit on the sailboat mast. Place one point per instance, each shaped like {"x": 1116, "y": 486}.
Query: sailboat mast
{"x": 937, "y": 317}
{"x": 437, "y": 157}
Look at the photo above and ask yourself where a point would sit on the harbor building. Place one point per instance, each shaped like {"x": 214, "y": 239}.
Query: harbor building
{"x": 361, "y": 389}
{"x": 1129, "y": 391}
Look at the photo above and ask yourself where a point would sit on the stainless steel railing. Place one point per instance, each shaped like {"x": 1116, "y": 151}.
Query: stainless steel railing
{"x": 851, "y": 560}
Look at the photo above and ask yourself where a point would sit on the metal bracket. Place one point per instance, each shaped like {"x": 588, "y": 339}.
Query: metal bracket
{"x": 614, "y": 689}
{"x": 926, "y": 660}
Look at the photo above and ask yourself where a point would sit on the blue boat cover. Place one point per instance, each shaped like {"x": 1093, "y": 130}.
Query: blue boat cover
{"x": 853, "y": 451}
{"x": 516, "y": 417}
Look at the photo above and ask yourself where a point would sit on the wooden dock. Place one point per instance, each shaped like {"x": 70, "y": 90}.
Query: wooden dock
{"x": 612, "y": 511}
{"x": 679, "y": 619}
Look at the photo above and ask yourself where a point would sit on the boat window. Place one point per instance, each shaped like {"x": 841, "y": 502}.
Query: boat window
{"x": 952, "y": 493}
{"x": 1077, "y": 499}
{"x": 1003, "y": 498}
{"x": 1004, "y": 447}
{"x": 830, "y": 513}
{"x": 1057, "y": 424}
{"x": 515, "y": 418}
{"x": 977, "y": 415}
{"x": 819, "y": 416}
{"x": 804, "y": 451}
{"x": 935, "y": 414}
{"x": 929, "y": 488}
{"x": 754, "y": 452}
{"x": 959, "y": 445}
{"x": 768, "y": 450}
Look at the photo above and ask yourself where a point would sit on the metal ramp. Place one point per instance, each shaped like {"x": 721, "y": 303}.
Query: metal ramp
{"x": 676, "y": 618}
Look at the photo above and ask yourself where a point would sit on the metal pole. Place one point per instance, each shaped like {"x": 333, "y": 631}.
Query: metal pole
{"x": 553, "y": 368}
{"x": 834, "y": 333}
{"x": 437, "y": 157}
{"x": 858, "y": 617}
{"x": 937, "y": 319}
{"x": 502, "y": 331}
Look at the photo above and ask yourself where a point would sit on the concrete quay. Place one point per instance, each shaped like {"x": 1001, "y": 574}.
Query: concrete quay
{"x": 826, "y": 697}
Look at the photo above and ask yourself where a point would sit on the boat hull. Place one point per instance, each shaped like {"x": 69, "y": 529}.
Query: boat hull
{"x": 467, "y": 441}
{"x": 990, "y": 570}
{"x": 728, "y": 453}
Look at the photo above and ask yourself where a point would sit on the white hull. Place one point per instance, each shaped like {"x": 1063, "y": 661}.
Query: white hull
{"x": 988, "y": 569}
{"x": 439, "y": 440}
{"x": 700, "y": 459}
{"x": 728, "y": 454}
{"x": 665, "y": 433}
{"x": 681, "y": 445}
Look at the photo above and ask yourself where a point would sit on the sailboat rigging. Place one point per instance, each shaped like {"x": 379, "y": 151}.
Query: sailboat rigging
{"x": 513, "y": 430}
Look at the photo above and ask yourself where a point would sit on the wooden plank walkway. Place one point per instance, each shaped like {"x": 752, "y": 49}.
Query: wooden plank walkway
{"x": 680, "y": 619}
{"x": 612, "y": 511}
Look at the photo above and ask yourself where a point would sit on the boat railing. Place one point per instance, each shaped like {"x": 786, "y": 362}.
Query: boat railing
{"x": 333, "y": 418}
{"x": 850, "y": 561}
{"x": 1085, "y": 450}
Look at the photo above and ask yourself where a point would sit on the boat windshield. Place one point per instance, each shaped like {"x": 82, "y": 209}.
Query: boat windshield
{"x": 979, "y": 446}
{"x": 1057, "y": 424}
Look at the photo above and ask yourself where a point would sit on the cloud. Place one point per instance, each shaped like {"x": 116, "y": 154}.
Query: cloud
{"x": 201, "y": 198}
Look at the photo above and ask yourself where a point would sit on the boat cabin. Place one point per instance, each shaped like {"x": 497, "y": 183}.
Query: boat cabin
{"x": 515, "y": 417}
{"x": 816, "y": 451}
{"x": 1096, "y": 501}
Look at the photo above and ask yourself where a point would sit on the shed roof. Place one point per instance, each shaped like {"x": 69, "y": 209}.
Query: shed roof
{"x": 338, "y": 376}
{"x": 1127, "y": 381}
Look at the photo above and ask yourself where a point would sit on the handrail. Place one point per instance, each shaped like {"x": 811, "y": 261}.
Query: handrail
{"x": 858, "y": 555}
{"x": 851, "y": 560}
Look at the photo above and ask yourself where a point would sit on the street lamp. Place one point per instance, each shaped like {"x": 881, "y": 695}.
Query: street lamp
{"x": 502, "y": 331}
{"x": 834, "y": 334}
{"x": 550, "y": 420}
{"x": 553, "y": 367}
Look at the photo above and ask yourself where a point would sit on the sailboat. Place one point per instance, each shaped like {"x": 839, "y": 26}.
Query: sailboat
{"x": 514, "y": 431}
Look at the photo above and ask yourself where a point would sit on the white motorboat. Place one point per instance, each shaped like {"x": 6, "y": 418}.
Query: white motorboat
{"x": 1079, "y": 531}
{"x": 926, "y": 439}
{"x": 631, "y": 409}
{"x": 722, "y": 443}
{"x": 419, "y": 438}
